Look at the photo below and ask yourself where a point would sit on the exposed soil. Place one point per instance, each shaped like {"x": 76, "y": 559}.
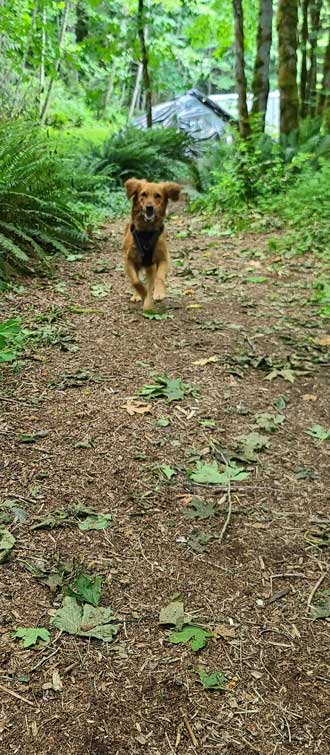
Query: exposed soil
{"x": 140, "y": 693}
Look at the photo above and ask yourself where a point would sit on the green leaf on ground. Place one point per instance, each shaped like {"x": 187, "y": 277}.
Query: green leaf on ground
{"x": 195, "y": 636}
{"x": 198, "y": 541}
{"x": 318, "y": 432}
{"x": 320, "y": 539}
{"x": 249, "y": 445}
{"x": 217, "y": 680}
{"x": 174, "y": 614}
{"x": 58, "y": 518}
{"x": 281, "y": 402}
{"x": 209, "y": 474}
{"x": 33, "y": 437}
{"x": 85, "y": 621}
{"x": 208, "y": 423}
{"x": 281, "y": 372}
{"x": 173, "y": 389}
{"x": 269, "y": 422}
{"x": 31, "y": 635}
{"x": 199, "y": 509}
{"x": 167, "y": 471}
{"x": 163, "y": 422}
{"x": 95, "y": 522}
{"x": 87, "y": 589}
{"x": 156, "y": 314}
{"x": 321, "y": 609}
{"x": 100, "y": 290}
{"x": 7, "y": 542}
{"x": 256, "y": 279}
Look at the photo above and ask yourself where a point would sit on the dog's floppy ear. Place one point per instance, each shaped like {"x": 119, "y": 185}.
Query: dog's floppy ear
{"x": 172, "y": 190}
{"x": 131, "y": 186}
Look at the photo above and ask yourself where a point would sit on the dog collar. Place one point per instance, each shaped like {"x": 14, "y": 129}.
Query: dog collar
{"x": 145, "y": 242}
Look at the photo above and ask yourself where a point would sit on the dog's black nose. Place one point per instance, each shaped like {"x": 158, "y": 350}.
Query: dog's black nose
{"x": 149, "y": 209}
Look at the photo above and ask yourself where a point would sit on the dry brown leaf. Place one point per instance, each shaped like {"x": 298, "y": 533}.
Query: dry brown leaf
{"x": 137, "y": 407}
{"x": 194, "y": 306}
{"x": 309, "y": 397}
{"x": 323, "y": 341}
{"x": 57, "y": 681}
{"x": 224, "y": 631}
{"x": 206, "y": 360}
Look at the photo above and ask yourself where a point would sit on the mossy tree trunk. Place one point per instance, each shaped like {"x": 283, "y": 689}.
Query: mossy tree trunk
{"x": 260, "y": 85}
{"x": 145, "y": 64}
{"x": 315, "y": 18}
{"x": 324, "y": 97}
{"x": 303, "y": 47}
{"x": 287, "y": 22}
{"x": 244, "y": 126}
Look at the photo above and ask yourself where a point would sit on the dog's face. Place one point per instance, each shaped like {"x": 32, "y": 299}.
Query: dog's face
{"x": 150, "y": 199}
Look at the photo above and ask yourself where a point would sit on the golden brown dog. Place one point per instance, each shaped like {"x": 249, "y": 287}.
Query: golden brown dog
{"x": 145, "y": 246}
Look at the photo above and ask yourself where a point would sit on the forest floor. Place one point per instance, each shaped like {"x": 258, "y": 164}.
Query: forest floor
{"x": 74, "y": 436}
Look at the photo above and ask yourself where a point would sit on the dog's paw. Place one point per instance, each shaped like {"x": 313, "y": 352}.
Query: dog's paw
{"x": 159, "y": 292}
{"x": 136, "y": 297}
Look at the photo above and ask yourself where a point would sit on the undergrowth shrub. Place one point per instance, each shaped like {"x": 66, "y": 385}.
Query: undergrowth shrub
{"x": 154, "y": 154}
{"x": 45, "y": 203}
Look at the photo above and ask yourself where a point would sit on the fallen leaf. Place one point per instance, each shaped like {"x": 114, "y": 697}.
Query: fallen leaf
{"x": 222, "y": 630}
{"x": 137, "y": 407}
{"x": 31, "y": 635}
{"x": 207, "y": 360}
{"x": 57, "y": 681}
{"x": 194, "y": 306}
{"x": 195, "y": 636}
{"x": 323, "y": 341}
{"x": 174, "y": 614}
{"x": 85, "y": 621}
{"x": 198, "y": 509}
{"x": 216, "y": 681}
{"x": 7, "y": 542}
{"x": 309, "y": 397}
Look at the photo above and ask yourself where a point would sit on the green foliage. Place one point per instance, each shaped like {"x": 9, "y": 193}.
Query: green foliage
{"x": 155, "y": 154}
{"x": 196, "y": 637}
{"x": 31, "y": 635}
{"x": 86, "y": 620}
{"x": 87, "y": 589}
{"x": 210, "y": 474}
{"x": 217, "y": 680}
{"x": 173, "y": 389}
{"x": 7, "y": 542}
{"x": 12, "y": 340}
{"x": 41, "y": 203}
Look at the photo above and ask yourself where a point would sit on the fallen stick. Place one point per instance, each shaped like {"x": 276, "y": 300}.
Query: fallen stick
{"x": 19, "y": 697}
{"x": 190, "y": 732}
{"x": 315, "y": 588}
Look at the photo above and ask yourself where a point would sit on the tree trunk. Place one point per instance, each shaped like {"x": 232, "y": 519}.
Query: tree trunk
{"x": 287, "y": 22}
{"x": 136, "y": 93}
{"x": 315, "y": 16}
{"x": 303, "y": 70}
{"x": 260, "y": 85}
{"x": 42, "y": 57}
{"x": 145, "y": 64}
{"x": 44, "y": 109}
{"x": 324, "y": 98}
{"x": 244, "y": 126}
{"x": 81, "y": 28}
{"x": 25, "y": 55}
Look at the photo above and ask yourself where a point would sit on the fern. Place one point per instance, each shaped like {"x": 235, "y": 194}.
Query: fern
{"x": 43, "y": 197}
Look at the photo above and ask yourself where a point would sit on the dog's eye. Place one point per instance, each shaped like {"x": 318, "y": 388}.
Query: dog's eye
{"x": 143, "y": 193}
{"x": 158, "y": 196}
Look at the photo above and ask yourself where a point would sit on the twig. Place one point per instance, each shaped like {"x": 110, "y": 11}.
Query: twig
{"x": 228, "y": 517}
{"x": 44, "y": 660}
{"x": 315, "y": 589}
{"x": 19, "y": 697}
{"x": 190, "y": 732}
{"x": 169, "y": 743}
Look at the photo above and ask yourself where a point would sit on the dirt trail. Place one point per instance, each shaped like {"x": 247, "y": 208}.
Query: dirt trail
{"x": 229, "y": 298}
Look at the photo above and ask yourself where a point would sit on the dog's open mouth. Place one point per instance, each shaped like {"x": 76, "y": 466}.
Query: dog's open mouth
{"x": 149, "y": 214}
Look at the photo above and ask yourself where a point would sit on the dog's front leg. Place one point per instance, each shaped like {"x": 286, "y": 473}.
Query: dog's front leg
{"x": 139, "y": 288}
{"x": 160, "y": 281}
{"x": 151, "y": 273}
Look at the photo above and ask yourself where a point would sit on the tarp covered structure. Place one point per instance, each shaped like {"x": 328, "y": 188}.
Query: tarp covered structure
{"x": 193, "y": 113}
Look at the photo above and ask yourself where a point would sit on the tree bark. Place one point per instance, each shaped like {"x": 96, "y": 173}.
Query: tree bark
{"x": 260, "y": 85}
{"x": 287, "y": 22}
{"x": 45, "y": 107}
{"x": 42, "y": 57}
{"x": 81, "y": 28}
{"x": 315, "y": 17}
{"x": 303, "y": 70}
{"x": 136, "y": 93}
{"x": 145, "y": 63}
{"x": 324, "y": 97}
{"x": 244, "y": 125}
{"x": 26, "y": 52}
